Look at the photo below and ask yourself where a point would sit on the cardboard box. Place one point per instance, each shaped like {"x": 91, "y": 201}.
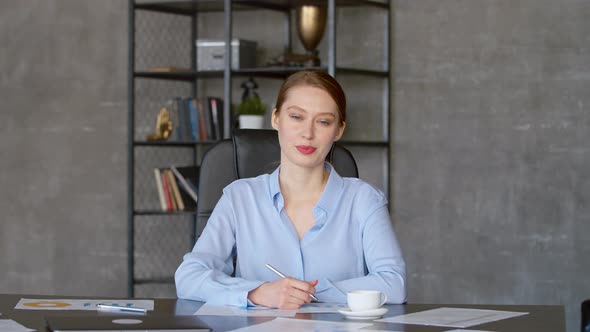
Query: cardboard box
{"x": 211, "y": 54}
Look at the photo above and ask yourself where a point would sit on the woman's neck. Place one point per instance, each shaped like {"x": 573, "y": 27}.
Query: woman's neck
{"x": 302, "y": 183}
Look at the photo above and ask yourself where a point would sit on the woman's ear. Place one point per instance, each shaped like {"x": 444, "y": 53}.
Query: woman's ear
{"x": 275, "y": 119}
{"x": 340, "y": 131}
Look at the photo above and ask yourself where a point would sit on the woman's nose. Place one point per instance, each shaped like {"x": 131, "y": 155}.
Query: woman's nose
{"x": 308, "y": 130}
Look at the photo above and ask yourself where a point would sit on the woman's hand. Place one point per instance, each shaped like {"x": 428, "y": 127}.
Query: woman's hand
{"x": 286, "y": 293}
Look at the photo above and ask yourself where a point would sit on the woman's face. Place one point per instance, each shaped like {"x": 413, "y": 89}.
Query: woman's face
{"x": 308, "y": 123}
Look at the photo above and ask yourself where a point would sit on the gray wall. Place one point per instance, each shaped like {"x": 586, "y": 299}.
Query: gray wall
{"x": 490, "y": 196}
{"x": 62, "y": 146}
{"x": 491, "y": 179}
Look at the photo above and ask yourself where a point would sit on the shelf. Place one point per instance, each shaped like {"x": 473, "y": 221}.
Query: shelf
{"x": 365, "y": 72}
{"x": 160, "y": 212}
{"x": 192, "y": 7}
{"x": 272, "y": 72}
{"x": 189, "y": 144}
{"x": 291, "y": 4}
{"x": 192, "y": 144}
{"x": 268, "y": 72}
{"x": 181, "y": 7}
{"x": 283, "y": 72}
{"x": 365, "y": 143}
{"x": 189, "y": 75}
{"x": 147, "y": 84}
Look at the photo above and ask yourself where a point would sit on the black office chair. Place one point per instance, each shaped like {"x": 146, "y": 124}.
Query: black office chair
{"x": 249, "y": 153}
{"x": 586, "y": 316}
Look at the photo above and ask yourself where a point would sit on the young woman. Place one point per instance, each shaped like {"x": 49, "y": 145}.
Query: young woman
{"x": 328, "y": 234}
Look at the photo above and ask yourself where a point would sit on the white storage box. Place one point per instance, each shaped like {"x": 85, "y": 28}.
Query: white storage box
{"x": 211, "y": 54}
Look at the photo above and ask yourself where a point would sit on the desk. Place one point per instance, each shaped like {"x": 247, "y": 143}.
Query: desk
{"x": 541, "y": 318}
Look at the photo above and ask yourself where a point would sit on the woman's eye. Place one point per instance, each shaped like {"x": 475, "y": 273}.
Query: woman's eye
{"x": 295, "y": 116}
{"x": 324, "y": 122}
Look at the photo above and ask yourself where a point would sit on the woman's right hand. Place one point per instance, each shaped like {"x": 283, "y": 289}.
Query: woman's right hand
{"x": 285, "y": 293}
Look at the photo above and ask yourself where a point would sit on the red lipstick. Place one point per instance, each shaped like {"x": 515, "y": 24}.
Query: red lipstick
{"x": 305, "y": 149}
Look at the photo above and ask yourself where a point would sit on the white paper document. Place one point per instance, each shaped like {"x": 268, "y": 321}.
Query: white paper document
{"x": 292, "y": 324}
{"x": 321, "y": 308}
{"x": 452, "y": 317}
{"x": 219, "y": 310}
{"x": 8, "y": 325}
{"x": 79, "y": 304}
{"x": 317, "y": 308}
{"x": 467, "y": 331}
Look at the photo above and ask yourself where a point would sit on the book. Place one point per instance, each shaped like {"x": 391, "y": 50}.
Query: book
{"x": 167, "y": 69}
{"x": 206, "y": 110}
{"x": 189, "y": 202}
{"x": 185, "y": 120}
{"x": 216, "y": 109}
{"x": 175, "y": 117}
{"x": 194, "y": 116}
{"x": 169, "y": 203}
{"x": 125, "y": 323}
{"x": 196, "y": 119}
{"x": 175, "y": 192}
{"x": 188, "y": 178}
{"x": 160, "y": 189}
{"x": 221, "y": 116}
{"x": 203, "y": 135}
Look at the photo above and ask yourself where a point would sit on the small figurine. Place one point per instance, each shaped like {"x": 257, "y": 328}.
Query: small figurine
{"x": 164, "y": 126}
{"x": 251, "y": 110}
{"x": 249, "y": 86}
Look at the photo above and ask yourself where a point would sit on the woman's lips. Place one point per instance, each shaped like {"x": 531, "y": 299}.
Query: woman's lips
{"x": 306, "y": 149}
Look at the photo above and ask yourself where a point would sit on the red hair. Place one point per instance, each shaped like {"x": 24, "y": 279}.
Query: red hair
{"x": 317, "y": 79}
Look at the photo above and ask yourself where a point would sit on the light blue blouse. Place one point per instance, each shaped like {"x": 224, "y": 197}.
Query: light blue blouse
{"x": 351, "y": 246}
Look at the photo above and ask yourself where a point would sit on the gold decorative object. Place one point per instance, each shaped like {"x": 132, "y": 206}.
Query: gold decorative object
{"x": 164, "y": 126}
{"x": 311, "y": 23}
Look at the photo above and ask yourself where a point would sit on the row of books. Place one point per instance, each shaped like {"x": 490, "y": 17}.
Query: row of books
{"x": 177, "y": 187}
{"x": 196, "y": 119}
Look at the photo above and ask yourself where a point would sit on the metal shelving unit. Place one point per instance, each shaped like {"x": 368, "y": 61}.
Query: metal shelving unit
{"x": 167, "y": 30}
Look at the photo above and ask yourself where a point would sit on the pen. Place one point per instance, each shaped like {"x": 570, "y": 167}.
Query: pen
{"x": 119, "y": 308}
{"x": 283, "y": 276}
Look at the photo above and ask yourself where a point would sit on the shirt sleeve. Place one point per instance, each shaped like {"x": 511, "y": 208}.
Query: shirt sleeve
{"x": 383, "y": 259}
{"x": 205, "y": 273}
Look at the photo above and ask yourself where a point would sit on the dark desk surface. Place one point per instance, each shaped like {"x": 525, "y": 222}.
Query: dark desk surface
{"x": 541, "y": 318}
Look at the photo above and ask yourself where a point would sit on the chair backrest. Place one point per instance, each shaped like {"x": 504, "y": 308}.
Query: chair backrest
{"x": 585, "y": 316}
{"x": 249, "y": 153}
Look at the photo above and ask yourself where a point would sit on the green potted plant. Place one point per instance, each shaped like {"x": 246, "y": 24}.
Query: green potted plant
{"x": 251, "y": 110}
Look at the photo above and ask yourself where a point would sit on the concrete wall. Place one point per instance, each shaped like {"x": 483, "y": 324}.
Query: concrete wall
{"x": 62, "y": 145}
{"x": 491, "y": 176}
{"x": 490, "y": 192}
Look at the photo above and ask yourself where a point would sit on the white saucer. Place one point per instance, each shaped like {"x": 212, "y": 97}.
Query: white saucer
{"x": 365, "y": 314}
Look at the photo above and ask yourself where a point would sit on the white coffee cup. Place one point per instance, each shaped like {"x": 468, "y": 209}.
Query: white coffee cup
{"x": 361, "y": 300}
